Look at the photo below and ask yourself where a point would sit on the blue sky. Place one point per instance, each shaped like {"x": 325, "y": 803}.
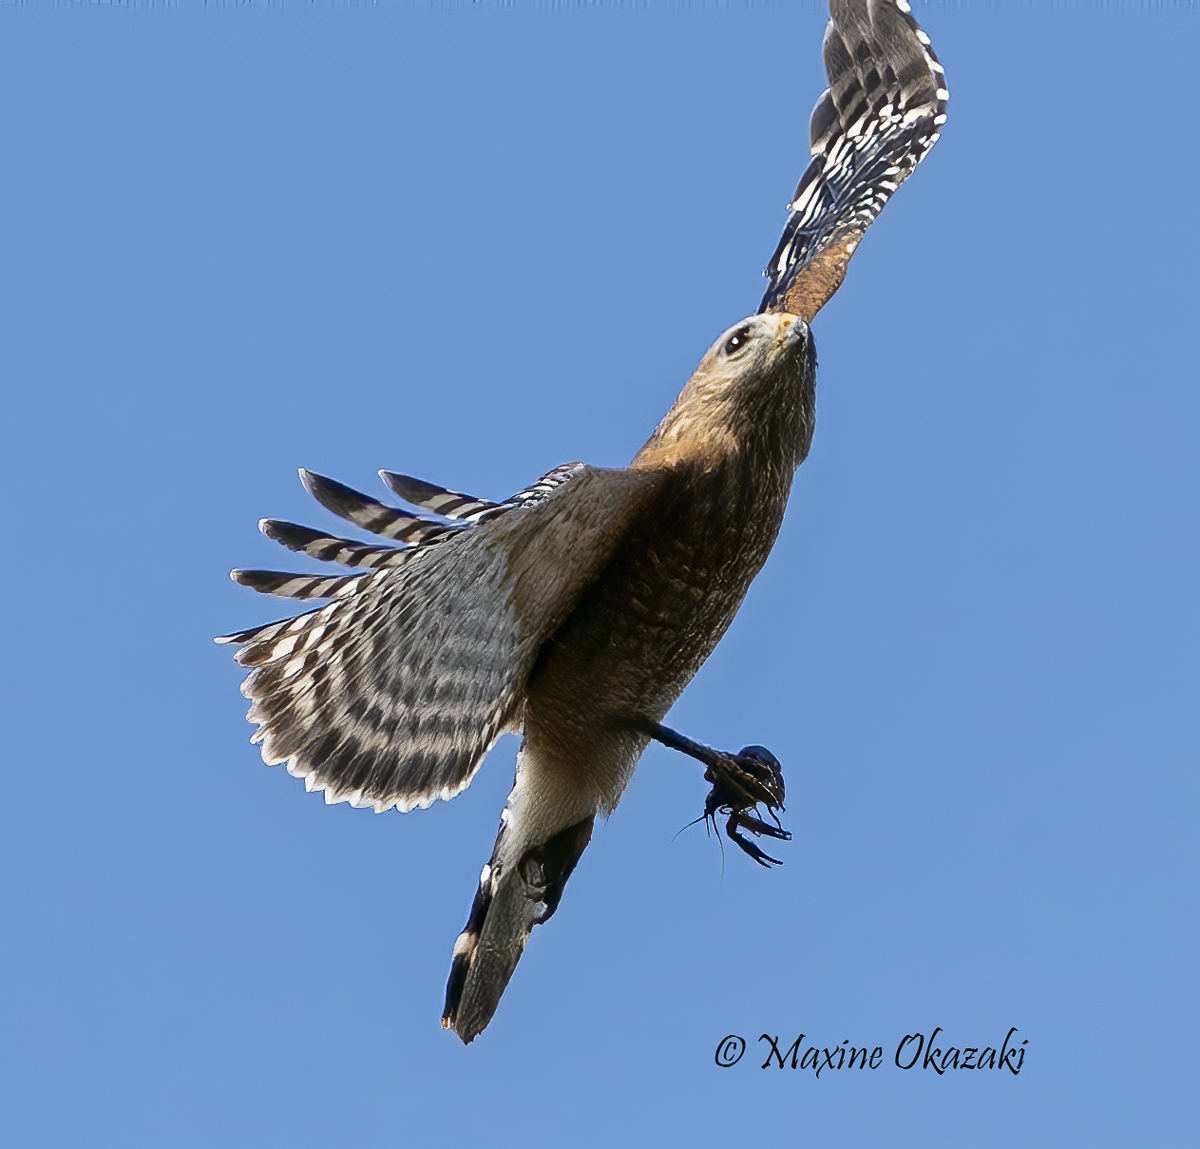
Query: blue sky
{"x": 469, "y": 243}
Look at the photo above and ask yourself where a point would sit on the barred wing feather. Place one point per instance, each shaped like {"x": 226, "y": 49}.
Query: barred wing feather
{"x": 391, "y": 694}
{"x": 882, "y": 112}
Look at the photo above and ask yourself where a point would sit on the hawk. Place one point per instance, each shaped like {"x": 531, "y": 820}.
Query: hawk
{"x": 575, "y": 612}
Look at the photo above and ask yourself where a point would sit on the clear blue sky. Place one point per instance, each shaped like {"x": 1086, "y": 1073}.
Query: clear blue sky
{"x": 471, "y": 242}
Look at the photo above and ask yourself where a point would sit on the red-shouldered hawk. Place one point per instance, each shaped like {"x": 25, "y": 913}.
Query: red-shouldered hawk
{"x": 575, "y": 612}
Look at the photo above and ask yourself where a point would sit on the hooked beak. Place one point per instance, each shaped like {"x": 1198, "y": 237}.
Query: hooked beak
{"x": 797, "y": 329}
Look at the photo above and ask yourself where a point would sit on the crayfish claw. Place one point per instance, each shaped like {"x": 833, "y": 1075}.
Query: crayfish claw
{"x": 760, "y": 856}
{"x": 758, "y": 826}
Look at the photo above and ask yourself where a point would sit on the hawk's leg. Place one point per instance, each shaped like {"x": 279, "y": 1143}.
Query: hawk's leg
{"x": 740, "y": 782}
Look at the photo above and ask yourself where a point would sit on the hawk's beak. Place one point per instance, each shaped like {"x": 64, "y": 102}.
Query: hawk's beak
{"x": 792, "y": 331}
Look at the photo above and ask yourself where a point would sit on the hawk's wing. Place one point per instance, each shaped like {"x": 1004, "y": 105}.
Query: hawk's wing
{"x": 883, "y": 110}
{"x": 392, "y": 693}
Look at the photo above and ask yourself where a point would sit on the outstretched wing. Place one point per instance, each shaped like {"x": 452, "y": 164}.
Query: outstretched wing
{"x": 392, "y": 693}
{"x": 883, "y": 110}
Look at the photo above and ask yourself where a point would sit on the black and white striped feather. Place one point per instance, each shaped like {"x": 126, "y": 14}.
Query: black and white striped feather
{"x": 330, "y": 548}
{"x": 882, "y": 112}
{"x": 448, "y": 504}
{"x": 370, "y": 514}
{"x": 467, "y": 508}
{"x": 287, "y": 585}
{"x": 391, "y": 694}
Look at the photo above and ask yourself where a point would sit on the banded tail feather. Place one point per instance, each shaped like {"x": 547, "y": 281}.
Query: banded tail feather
{"x": 518, "y": 889}
{"x": 882, "y": 112}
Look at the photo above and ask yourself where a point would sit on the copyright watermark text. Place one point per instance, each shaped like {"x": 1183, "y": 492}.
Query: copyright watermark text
{"x": 913, "y": 1051}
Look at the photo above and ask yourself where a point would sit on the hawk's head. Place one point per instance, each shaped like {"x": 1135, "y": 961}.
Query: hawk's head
{"x": 753, "y": 391}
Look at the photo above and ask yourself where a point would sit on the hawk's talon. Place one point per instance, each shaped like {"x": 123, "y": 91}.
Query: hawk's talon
{"x": 740, "y": 782}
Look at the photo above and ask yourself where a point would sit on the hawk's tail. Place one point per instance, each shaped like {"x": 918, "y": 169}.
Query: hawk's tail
{"x": 543, "y": 832}
{"x": 510, "y": 901}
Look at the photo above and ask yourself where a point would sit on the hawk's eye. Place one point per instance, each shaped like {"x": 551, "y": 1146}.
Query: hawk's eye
{"x": 737, "y": 341}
